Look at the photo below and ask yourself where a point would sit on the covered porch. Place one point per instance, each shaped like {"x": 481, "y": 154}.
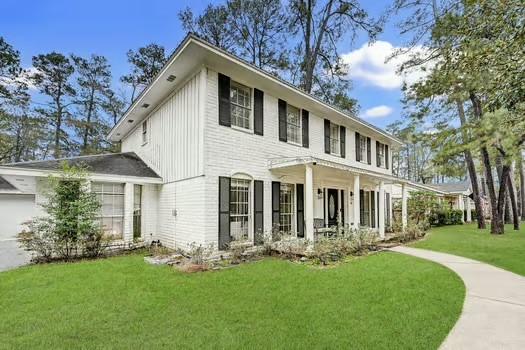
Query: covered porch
{"x": 338, "y": 195}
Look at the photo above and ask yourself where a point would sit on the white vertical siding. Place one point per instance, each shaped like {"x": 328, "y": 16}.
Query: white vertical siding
{"x": 175, "y": 135}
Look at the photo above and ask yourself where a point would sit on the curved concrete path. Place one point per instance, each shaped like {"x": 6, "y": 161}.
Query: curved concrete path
{"x": 493, "y": 315}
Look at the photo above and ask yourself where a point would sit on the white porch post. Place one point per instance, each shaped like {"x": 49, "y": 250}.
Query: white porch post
{"x": 461, "y": 206}
{"x": 469, "y": 209}
{"x": 309, "y": 203}
{"x": 128, "y": 211}
{"x": 404, "y": 204}
{"x": 357, "y": 210}
{"x": 381, "y": 209}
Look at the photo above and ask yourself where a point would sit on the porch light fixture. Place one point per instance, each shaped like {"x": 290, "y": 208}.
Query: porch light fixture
{"x": 171, "y": 78}
{"x": 319, "y": 193}
{"x": 145, "y": 105}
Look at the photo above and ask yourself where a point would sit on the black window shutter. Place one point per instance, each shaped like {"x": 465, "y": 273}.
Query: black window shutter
{"x": 258, "y": 112}
{"x": 362, "y": 208}
{"x": 372, "y": 209}
{"x": 342, "y": 136}
{"x": 258, "y": 211}
{"x": 282, "y": 121}
{"x": 378, "y": 161}
{"x": 326, "y": 136}
{"x": 224, "y": 212}
{"x": 357, "y": 147}
{"x": 299, "y": 189}
{"x": 368, "y": 150}
{"x": 343, "y": 207}
{"x": 276, "y": 199}
{"x": 306, "y": 128}
{"x": 224, "y": 100}
{"x": 387, "y": 157}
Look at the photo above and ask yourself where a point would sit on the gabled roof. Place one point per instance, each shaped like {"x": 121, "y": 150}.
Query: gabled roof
{"x": 123, "y": 164}
{"x": 6, "y": 185}
{"x": 453, "y": 187}
{"x": 193, "y": 52}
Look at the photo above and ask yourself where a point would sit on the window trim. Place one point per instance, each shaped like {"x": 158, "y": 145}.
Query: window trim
{"x": 299, "y": 126}
{"x": 113, "y": 194}
{"x": 382, "y": 163}
{"x": 249, "y": 203}
{"x": 363, "y": 158}
{"x": 250, "y": 129}
{"x": 293, "y": 207}
{"x": 145, "y": 132}
{"x": 338, "y": 127}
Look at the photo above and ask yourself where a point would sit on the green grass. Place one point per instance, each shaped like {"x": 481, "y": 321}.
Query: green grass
{"x": 384, "y": 301}
{"x": 506, "y": 251}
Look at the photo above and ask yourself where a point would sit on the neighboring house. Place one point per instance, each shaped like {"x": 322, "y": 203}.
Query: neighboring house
{"x": 457, "y": 195}
{"x": 228, "y": 151}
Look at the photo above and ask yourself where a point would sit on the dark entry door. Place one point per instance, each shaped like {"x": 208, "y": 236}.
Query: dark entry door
{"x": 333, "y": 207}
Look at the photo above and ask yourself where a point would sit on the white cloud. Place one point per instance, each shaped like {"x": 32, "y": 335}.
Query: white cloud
{"x": 377, "y": 112}
{"x": 369, "y": 64}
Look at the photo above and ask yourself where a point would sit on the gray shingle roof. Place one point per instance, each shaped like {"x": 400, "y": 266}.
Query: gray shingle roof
{"x": 125, "y": 164}
{"x": 6, "y": 185}
{"x": 453, "y": 187}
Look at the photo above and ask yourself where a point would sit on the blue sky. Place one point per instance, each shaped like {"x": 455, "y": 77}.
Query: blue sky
{"x": 111, "y": 27}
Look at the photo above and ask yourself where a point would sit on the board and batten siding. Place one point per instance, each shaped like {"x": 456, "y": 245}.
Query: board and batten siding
{"x": 174, "y": 145}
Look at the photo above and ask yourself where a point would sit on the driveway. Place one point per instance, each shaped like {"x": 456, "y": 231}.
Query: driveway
{"x": 493, "y": 315}
{"x": 11, "y": 255}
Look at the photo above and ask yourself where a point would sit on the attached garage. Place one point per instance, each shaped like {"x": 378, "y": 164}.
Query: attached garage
{"x": 16, "y": 208}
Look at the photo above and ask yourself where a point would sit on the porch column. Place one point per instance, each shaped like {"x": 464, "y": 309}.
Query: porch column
{"x": 381, "y": 209}
{"x": 461, "y": 206}
{"x": 469, "y": 210}
{"x": 128, "y": 212}
{"x": 357, "y": 210}
{"x": 309, "y": 203}
{"x": 404, "y": 204}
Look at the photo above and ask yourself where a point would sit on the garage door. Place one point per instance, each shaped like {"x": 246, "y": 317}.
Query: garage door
{"x": 14, "y": 210}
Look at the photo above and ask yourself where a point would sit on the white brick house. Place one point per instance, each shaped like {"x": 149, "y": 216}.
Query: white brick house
{"x": 236, "y": 152}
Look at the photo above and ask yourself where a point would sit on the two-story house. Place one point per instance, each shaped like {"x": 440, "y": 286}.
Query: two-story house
{"x": 227, "y": 150}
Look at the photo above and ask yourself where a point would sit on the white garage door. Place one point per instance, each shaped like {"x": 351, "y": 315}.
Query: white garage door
{"x": 14, "y": 210}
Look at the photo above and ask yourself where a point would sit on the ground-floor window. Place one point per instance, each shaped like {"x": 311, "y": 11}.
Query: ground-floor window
{"x": 286, "y": 208}
{"x": 111, "y": 198}
{"x": 239, "y": 208}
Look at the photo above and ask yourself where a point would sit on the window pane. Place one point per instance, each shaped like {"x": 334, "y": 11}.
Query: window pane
{"x": 240, "y": 97}
{"x": 111, "y": 197}
{"x": 334, "y": 138}
{"x": 286, "y": 208}
{"x": 293, "y": 122}
{"x": 239, "y": 208}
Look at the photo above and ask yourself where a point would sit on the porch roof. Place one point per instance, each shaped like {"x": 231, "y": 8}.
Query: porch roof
{"x": 282, "y": 163}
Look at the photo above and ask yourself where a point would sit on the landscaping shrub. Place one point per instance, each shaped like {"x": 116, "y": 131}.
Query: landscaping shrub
{"x": 69, "y": 227}
{"x": 445, "y": 216}
{"x": 411, "y": 233}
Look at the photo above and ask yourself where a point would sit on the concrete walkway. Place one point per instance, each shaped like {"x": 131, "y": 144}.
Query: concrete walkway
{"x": 493, "y": 315}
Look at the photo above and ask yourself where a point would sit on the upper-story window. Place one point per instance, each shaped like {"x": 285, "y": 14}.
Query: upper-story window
{"x": 293, "y": 125}
{"x": 380, "y": 155}
{"x": 363, "y": 152}
{"x": 241, "y": 105}
{"x": 335, "y": 141}
{"x": 144, "y": 132}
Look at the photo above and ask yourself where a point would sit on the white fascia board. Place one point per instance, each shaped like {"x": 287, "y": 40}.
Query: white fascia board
{"x": 92, "y": 177}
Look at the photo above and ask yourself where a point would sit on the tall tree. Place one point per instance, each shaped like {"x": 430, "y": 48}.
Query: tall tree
{"x": 52, "y": 78}
{"x": 213, "y": 25}
{"x": 114, "y": 105}
{"x": 93, "y": 80}
{"x": 145, "y": 63}
{"x": 13, "y": 89}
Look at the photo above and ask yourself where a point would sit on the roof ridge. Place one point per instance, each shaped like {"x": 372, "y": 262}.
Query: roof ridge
{"x": 66, "y": 158}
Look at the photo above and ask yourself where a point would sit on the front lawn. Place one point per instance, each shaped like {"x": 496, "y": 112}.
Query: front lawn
{"x": 506, "y": 251}
{"x": 384, "y": 301}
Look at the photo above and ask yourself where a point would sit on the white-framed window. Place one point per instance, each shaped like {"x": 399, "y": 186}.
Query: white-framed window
{"x": 144, "y": 132}
{"x": 239, "y": 208}
{"x": 293, "y": 125}
{"x": 363, "y": 146}
{"x": 381, "y": 155}
{"x": 241, "y": 105}
{"x": 286, "y": 208}
{"x": 365, "y": 209}
{"x": 111, "y": 198}
{"x": 335, "y": 139}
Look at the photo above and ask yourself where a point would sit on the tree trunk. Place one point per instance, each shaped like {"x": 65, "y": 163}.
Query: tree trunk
{"x": 495, "y": 226}
{"x": 511, "y": 190}
{"x": 499, "y": 222}
{"x": 471, "y": 167}
{"x": 522, "y": 187}
{"x": 506, "y": 199}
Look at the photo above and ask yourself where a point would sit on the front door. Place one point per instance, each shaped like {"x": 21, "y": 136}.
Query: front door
{"x": 333, "y": 207}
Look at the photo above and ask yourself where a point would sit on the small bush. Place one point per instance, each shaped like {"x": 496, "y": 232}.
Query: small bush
{"x": 411, "y": 233}
{"x": 199, "y": 254}
{"x": 445, "y": 216}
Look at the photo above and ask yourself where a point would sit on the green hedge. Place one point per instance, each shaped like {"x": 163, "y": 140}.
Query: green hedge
{"x": 442, "y": 217}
